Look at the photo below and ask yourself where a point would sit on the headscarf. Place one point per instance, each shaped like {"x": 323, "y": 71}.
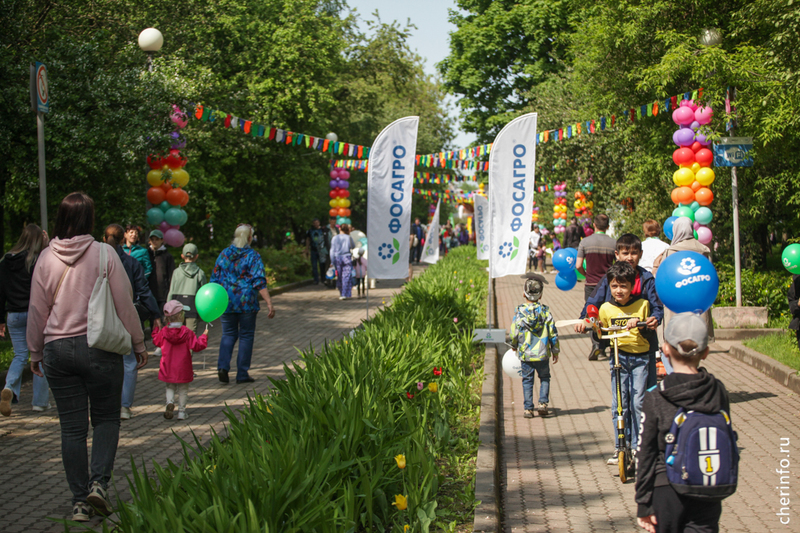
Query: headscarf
{"x": 682, "y": 230}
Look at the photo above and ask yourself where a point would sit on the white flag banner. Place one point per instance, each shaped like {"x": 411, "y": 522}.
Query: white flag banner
{"x": 481, "y": 226}
{"x": 430, "y": 253}
{"x": 389, "y": 188}
{"x": 511, "y": 183}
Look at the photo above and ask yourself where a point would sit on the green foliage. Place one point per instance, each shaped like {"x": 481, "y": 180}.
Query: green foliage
{"x": 760, "y": 289}
{"x": 780, "y": 346}
{"x": 286, "y": 265}
{"x": 316, "y": 453}
{"x": 6, "y": 355}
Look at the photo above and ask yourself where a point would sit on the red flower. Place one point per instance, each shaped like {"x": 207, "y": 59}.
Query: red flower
{"x": 409, "y": 395}
{"x": 437, "y": 371}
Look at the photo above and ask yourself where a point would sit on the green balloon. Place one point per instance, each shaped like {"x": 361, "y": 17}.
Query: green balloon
{"x": 684, "y": 211}
{"x": 211, "y": 301}
{"x": 791, "y": 258}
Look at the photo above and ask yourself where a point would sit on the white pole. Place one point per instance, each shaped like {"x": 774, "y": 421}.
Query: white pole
{"x": 737, "y": 261}
{"x": 42, "y": 177}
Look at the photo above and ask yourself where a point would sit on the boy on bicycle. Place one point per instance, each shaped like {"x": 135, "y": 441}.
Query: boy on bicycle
{"x": 626, "y": 311}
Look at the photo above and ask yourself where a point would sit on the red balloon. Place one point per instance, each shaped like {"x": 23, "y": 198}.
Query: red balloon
{"x": 344, "y": 194}
{"x": 174, "y": 197}
{"x": 185, "y": 199}
{"x": 696, "y": 146}
{"x": 333, "y": 212}
{"x": 704, "y": 157}
{"x": 683, "y": 156}
{"x": 155, "y": 195}
{"x": 333, "y": 194}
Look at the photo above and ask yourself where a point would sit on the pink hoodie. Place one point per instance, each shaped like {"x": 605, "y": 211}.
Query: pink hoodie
{"x": 177, "y": 345}
{"x": 68, "y": 316}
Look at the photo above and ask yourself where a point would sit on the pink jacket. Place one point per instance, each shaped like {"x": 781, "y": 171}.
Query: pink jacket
{"x": 177, "y": 345}
{"x": 67, "y": 317}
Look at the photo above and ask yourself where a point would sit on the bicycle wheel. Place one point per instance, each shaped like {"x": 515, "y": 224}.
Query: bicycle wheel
{"x": 623, "y": 466}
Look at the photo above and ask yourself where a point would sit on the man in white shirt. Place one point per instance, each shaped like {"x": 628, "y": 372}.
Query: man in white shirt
{"x": 652, "y": 246}
{"x": 534, "y": 245}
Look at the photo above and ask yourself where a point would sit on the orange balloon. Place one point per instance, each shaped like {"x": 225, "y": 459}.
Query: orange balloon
{"x": 674, "y": 195}
{"x": 333, "y": 212}
{"x": 704, "y": 196}
{"x": 341, "y": 212}
{"x": 185, "y": 199}
{"x": 346, "y": 212}
{"x": 166, "y": 187}
{"x": 155, "y": 195}
{"x": 174, "y": 197}
{"x": 696, "y": 186}
{"x": 685, "y": 195}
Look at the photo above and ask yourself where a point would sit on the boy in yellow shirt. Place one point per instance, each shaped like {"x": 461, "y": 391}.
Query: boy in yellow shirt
{"x": 627, "y": 311}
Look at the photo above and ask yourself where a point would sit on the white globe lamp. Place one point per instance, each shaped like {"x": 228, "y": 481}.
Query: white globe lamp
{"x": 332, "y": 137}
{"x": 151, "y": 40}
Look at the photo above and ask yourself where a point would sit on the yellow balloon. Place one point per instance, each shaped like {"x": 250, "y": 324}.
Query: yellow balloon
{"x": 333, "y": 203}
{"x": 345, "y": 202}
{"x": 695, "y": 167}
{"x": 591, "y": 204}
{"x": 180, "y": 177}
{"x": 683, "y": 177}
{"x": 705, "y": 176}
{"x": 155, "y": 178}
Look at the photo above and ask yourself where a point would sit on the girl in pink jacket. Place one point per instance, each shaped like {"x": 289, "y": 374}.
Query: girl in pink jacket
{"x": 177, "y": 342}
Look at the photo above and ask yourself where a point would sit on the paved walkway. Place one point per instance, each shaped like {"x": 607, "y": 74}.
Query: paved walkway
{"x": 31, "y": 472}
{"x": 556, "y": 478}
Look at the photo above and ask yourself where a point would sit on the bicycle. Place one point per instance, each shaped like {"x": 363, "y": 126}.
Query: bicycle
{"x": 627, "y": 465}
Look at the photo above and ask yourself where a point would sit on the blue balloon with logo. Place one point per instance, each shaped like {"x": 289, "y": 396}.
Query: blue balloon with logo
{"x": 563, "y": 259}
{"x": 566, "y": 279}
{"x": 668, "y": 226}
{"x": 687, "y": 282}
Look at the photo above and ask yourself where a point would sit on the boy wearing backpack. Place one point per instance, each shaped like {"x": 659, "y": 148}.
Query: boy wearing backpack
{"x": 687, "y": 458}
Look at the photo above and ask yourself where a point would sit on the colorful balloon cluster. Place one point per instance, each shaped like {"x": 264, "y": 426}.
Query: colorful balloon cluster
{"x": 560, "y": 208}
{"x": 694, "y": 175}
{"x": 340, "y": 203}
{"x": 535, "y": 213}
{"x": 582, "y": 204}
{"x": 167, "y": 178}
{"x": 565, "y": 260}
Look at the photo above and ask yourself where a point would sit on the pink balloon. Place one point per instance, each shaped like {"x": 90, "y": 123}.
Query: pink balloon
{"x": 174, "y": 238}
{"x": 344, "y": 175}
{"x": 683, "y": 116}
{"x": 164, "y": 226}
{"x": 696, "y": 225}
{"x": 334, "y": 174}
{"x": 684, "y": 103}
{"x": 703, "y": 115}
{"x": 704, "y": 235}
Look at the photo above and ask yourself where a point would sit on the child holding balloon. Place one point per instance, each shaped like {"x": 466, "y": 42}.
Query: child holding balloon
{"x": 177, "y": 342}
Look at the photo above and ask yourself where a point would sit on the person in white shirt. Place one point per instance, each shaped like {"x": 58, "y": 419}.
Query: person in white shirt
{"x": 534, "y": 246}
{"x": 652, "y": 246}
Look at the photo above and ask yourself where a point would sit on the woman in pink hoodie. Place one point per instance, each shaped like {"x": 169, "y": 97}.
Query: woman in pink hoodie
{"x": 62, "y": 283}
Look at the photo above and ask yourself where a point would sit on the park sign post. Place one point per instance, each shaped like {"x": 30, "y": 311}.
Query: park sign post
{"x": 40, "y": 104}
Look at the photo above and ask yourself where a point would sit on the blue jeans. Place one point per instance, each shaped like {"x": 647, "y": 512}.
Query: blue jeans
{"x": 241, "y": 327}
{"x": 529, "y": 369}
{"x": 85, "y": 380}
{"x": 634, "y": 385}
{"x": 131, "y": 374}
{"x": 317, "y": 265}
{"x": 17, "y": 325}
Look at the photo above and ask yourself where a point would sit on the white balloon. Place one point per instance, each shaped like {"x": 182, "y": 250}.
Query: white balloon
{"x": 512, "y": 365}
{"x": 151, "y": 40}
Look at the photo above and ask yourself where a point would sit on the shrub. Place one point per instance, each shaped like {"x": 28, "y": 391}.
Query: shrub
{"x": 317, "y": 452}
{"x": 761, "y": 289}
{"x": 286, "y": 265}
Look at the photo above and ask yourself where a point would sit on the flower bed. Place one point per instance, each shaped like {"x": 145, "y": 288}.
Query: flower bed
{"x": 364, "y": 435}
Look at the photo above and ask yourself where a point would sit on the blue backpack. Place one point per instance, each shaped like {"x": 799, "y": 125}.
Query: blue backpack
{"x": 701, "y": 456}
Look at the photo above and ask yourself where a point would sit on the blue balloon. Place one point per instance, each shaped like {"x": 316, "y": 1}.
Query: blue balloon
{"x": 563, "y": 260}
{"x": 566, "y": 279}
{"x": 668, "y": 226}
{"x": 687, "y": 282}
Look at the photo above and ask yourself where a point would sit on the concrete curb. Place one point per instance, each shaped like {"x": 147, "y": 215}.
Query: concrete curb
{"x": 488, "y": 464}
{"x": 781, "y": 373}
{"x": 722, "y": 334}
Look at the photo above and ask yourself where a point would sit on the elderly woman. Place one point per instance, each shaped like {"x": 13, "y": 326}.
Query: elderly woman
{"x": 683, "y": 240}
{"x": 342, "y": 259}
{"x": 240, "y": 270}
{"x": 84, "y": 380}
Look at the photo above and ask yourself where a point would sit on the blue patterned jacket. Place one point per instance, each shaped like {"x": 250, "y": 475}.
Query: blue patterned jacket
{"x": 241, "y": 272}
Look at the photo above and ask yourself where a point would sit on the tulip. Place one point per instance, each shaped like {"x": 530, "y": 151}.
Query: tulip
{"x": 400, "y": 502}
{"x": 406, "y": 528}
{"x": 437, "y": 371}
{"x": 401, "y": 461}
{"x": 455, "y": 319}
{"x": 420, "y": 385}
{"x": 409, "y": 395}
{"x": 433, "y": 387}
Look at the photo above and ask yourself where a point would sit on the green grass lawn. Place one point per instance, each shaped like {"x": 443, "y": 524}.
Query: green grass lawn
{"x": 780, "y": 346}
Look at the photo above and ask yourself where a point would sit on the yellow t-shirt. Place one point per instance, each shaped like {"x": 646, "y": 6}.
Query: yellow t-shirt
{"x": 614, "y": 315}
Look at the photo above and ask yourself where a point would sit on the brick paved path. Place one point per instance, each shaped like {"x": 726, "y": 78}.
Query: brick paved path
{"x": 556, "y": 478}
{"x": 31, "y": 474}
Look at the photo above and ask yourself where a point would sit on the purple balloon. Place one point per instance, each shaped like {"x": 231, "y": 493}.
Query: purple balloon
{"x": 164, "y": 226}
{"x": 333, "y": 183}
{"x": 694, "y": 125}
{"x": 344, "y": 184}
{"x": 683, "y": 137}
{"x": 699, "y": 137}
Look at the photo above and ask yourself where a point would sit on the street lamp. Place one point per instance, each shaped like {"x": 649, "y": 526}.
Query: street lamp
{"x": 150, "y": 41}
{"x": 332, "y": 137}
{"x": 712, "y": 37}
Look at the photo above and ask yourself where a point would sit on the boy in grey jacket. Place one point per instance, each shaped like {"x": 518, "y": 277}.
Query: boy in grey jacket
{"x": 186, "y": 281}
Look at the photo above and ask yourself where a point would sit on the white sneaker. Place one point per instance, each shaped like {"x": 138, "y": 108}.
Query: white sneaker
{"x": 614, "y": 460}
{"x": 39, "y": 408}
{"x": 157, "y": 352}
{"x": 125, "y": 413}
{"x": 81, "y": 512}
{"x": 182, "y": 415}
{"x": 98, "y": 499}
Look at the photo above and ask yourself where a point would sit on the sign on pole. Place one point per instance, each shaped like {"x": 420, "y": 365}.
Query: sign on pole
{"x": 389, "y": 188}
{"x": 733, "y": 152}
{"x": 41, "y": 89}
{"x": 430, "y": 253}
{"x": 482, "y": 226}
{"x": 40, "y": 102}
